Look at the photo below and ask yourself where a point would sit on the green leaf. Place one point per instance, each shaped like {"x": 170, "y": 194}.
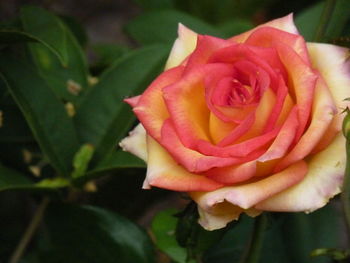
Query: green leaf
{"x": 103, "y": 117}
{"x": 52, "y": 183}
{"x": 81, "y": 160}
{"x": 69, "y": 78}
{"x": 161, "y": 26}
{"x": 108, "y": 53}
{"x": 155, "y": 4}
{"x": 235, "y": 26}
{"x": 192, "y": 236}
{"x": 92, "y": 235}
{"x": 45, "y": 26}
{"x": 289, "y": 237}
{"x": 163, "y": 228}
{"x": 118, "y": 160}
{"x": 45, "y": 114}
{"x": 13, "y": 127}
{"x": 308, "y": 20}
{"x": 11, "y": 179}
{"x": 232, "y": 244}
{"x": 303, "y": 233}
{"x": 76, "y": 28}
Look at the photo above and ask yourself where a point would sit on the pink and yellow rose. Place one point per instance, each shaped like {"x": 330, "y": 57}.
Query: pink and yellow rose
{"x": 247, "y": 124}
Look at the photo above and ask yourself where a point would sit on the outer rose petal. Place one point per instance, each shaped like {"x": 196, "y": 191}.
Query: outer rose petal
{"x": 322, "y": 182}
{"x": 133, "y": 100}
{"x": 135, "y": 143}
{"x": 150, "y": 109}
{"x": 221, "y": 214}
{"x": 333, "y": 63}
{"x": 248, "y": 195}
{"x": 164, "y": 172}
{"x": 285, "y": 23}
{"x": 183, "y": 46}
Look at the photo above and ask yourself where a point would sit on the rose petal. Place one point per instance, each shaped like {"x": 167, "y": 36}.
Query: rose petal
{"x": 192, "y": 160}
{"x": 233, "y": 174}
{"x": 262, "y": 114}
{"x": 302, "y": 83}
{"x": 269, "y": 37}
{"x": 322, "y": 182}
{"x": 285, "y": 23}
{"x": 221, "y": 214}
{"x": 284, "y": 138}
{"x": 251, "y": 147}
{"x": 150, "y": 109}
{"x": 206, "y": 45}
{"x": 183, "y": 46}
{"x": 135, "y": 143}
{"x": 333, "y": 63}
{"x": 164, "y": 172}
{"x": 248, "y": 195}
{"x": 322, "y": 115}
{"x": 191, "y": 123}
{"x": 133, "y": 100}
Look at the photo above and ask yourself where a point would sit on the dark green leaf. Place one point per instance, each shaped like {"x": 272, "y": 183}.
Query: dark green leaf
{"x": 308, "y": 20}
{"x": 11, "y": 179}
{"x": 161, "y": 26}
{"x": 46, "y": 116}
{"x": 289, "y": 237}
{"x": 303, "y": 233}
{"x": 103, "y": 117}
{"x": 43, "y": 25}
{"x": 223, "y": 11}
{"x": 68, "y": 79}
{"x": 118, "y": 160}
{"x": 336, "y": 254}
{"x": 13, "y": 127}
{"x": 107, "y": 54}
{"x": 76, "y": 28}
{"x": 235, "y": 27}
{"x": 89, "y": 234}
{"x": 155, "y": 4}
{"x": 232, "y": 244}
{"x": 163, "y": 228}
{"x": 192, "y": 236}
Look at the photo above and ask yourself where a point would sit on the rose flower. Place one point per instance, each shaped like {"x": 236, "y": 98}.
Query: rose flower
{"x": 247, "y": 124}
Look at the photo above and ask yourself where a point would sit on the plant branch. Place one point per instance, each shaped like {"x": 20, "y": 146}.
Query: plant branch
{"x": 253, "y": 251}
{"x": 29, "y": 232}
{"x": 324, "y": 20}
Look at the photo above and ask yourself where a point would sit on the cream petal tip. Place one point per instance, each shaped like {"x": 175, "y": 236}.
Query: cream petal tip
{"x": 135, "y": 143}
{"x": 183, "y": 46}
{"x": 322, "y": 182}
{"x": 219, "y": 217}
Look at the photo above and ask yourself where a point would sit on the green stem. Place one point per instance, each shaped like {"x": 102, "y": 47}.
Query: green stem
{"x": 28, "y": 234}
{"x": 324, "y": 20}
{"x": 253, "y": 251}
{"x": 345, "y": 195}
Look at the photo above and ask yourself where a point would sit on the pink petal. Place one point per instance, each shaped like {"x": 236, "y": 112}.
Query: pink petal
{"x": 164, "y": 172}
